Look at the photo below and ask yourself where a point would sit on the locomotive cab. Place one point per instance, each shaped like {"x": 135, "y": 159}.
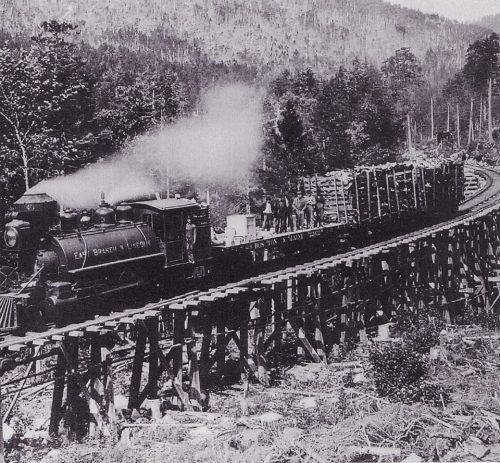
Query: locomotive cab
{"x": 168, "y": 219}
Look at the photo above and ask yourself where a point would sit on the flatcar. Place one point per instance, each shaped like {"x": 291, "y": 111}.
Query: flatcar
{"x": 362, "y": 206}
{"x": 61, "y": 266}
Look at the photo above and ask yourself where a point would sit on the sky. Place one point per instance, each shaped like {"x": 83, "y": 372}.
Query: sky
{"x": 461, "y": 10}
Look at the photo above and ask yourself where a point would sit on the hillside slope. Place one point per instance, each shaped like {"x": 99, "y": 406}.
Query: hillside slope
{"x": 275, "y": 33}
{"x": 491, "y": 22}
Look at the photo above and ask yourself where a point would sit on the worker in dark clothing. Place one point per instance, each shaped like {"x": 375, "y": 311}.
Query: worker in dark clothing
{"x": 320, "y": 210}
{"x": 276, "y": 214}
{"x": 291, "y": 218}
{"x": 190, "y": 239}
{"x": 282, "y": 215}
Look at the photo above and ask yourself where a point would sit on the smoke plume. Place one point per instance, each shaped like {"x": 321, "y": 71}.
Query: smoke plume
{"x": 217, "y": 146}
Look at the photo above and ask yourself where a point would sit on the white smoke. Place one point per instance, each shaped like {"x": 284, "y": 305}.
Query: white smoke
{"x": 218, "y": 145}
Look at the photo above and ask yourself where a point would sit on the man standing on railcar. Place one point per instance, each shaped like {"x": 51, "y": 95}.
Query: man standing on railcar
{"x": 320, "y": 210}
{"x": 291, "y": 218}
{"x": 268, "y": 215}
{"x": 310, "y": 206}
{"x": 190, "y": 239}
{"x": 281, "y": 227}
{"x": 299, "y": 205}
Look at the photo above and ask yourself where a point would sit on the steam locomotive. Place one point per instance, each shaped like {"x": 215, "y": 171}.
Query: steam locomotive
{"x": 57, "y": 260}
{"x": 62, "y": 266}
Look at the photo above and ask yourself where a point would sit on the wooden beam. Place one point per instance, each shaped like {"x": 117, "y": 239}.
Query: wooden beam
{"x": 57, "y": 395}
{"x": 135, "y": 381}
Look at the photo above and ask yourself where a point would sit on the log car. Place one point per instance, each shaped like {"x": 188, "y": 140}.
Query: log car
{"x": 391, "y": 192}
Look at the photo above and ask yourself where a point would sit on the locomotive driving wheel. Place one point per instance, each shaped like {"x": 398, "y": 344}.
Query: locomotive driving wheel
{"x": 9, "y": 277}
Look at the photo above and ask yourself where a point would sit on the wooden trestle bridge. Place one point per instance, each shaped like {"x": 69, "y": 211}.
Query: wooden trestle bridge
{"x": 451, "y": 268}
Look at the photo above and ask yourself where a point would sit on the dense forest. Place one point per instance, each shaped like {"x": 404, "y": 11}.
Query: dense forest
{"x": 64, "y": 103}
{"x": 320, "y": 34}
{"x": 76, "y": 92}
{"x": 364, "y": 115}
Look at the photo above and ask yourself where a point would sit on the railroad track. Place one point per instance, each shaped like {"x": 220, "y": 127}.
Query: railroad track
{"x": 482, "y": 203}
{"x": 490, "y": 174}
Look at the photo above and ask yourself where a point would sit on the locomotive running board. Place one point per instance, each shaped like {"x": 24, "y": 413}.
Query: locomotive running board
{"x": 109, "y": 264}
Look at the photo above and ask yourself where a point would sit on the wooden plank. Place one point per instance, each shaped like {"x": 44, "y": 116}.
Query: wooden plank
{"x": 74, "y": 367}
{"x": 179, "y": 335}
{"x": 194, "y": 370}
{"x": 17, "y": 347}
{"x": 192, "y": 304}
{"x": 207, "y": 298}
{"x": 93, "y": 329}
{"x": 145, "y": 316}
{"x": 109, "y": 395}
{"x": 178, "y": 306}
{"x": 135, "y": 381}
{"x": 301, "y": 335}
{"x": 237, "y": 290}
{"x": 183, "y": 396}
{"x": 40, "y": 342}
{"x": 57, "y": 395}
{"x": 396, "y": 190}
{"x": 220, "y": 353}
{"x": 152, "y": 327}
{"x": 18, "y": 392}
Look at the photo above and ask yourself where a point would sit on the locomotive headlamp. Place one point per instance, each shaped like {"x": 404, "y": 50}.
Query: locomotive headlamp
{"x": 11, "y": 237}
{"x": 16, "y": 233}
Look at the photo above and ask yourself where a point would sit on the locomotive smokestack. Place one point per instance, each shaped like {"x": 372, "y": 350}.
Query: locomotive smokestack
{"x": 103, "y": 200}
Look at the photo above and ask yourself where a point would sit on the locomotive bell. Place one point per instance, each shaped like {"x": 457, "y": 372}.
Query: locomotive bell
{"x": 104, "y": 214}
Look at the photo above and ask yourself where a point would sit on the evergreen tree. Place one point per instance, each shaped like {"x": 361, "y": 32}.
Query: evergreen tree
{"x": 44, "y": 99}
{"x": 331, "y": 121}
{"x": 287, "y": 154}
{"x": 482, "y": 62}
{"x": 402, "y": 74}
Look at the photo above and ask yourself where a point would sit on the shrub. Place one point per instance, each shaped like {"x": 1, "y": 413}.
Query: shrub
{"x": 398, "y": 371}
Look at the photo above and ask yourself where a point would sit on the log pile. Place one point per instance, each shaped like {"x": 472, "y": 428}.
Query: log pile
{"x": 368, "y": 193}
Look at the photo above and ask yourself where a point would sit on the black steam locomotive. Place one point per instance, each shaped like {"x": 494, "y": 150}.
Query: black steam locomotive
{"x": 62, "y": 266}
{"x": 54, "y": 262}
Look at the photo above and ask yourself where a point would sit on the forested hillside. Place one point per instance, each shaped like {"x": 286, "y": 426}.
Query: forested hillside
{"x": 491, "y": 22}
{"x": 341, "y": 79}
{"x": 322, "y": 34}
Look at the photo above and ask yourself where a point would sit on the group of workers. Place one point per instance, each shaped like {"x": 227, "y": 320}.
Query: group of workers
{"x": 291, "y": 213}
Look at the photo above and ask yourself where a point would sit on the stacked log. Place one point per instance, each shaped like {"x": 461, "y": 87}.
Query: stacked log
{"x": 368, "y": 193}
{"x": 337, "y": 189}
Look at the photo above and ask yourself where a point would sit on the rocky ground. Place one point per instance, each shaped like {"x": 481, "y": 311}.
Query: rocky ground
{"x": 349, "y": 411}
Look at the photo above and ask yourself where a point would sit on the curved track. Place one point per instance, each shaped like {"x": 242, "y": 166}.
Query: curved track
{"x": 491, "y": 189}
{"x": 483, "y": 202}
